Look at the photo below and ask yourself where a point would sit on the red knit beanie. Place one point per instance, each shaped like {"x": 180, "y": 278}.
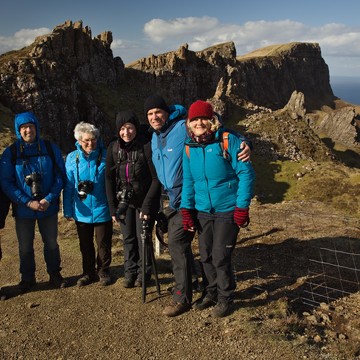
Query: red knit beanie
{"x": 200, "y": 109}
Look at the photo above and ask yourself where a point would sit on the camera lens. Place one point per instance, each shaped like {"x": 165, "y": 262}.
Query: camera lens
{"x": 84, "y": 188}
{"x": 34, "y": 181}
{"x": 123, "y": 197}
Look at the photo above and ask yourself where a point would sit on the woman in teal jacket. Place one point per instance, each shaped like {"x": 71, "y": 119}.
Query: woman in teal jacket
{"x": 84, "y": 200}
{"x": 216, "y": 194}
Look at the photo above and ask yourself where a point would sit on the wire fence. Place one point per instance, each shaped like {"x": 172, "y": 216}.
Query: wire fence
{"x": 299, "y": 250}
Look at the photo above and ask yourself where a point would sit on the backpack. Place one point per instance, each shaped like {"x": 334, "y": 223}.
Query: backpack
{"x": 224, "y": 144}
{"x": 50, "y": 152}
{"x": 119, "y": 156}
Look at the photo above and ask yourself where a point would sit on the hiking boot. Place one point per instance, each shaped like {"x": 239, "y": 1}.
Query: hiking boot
{"x": 57, "y": 281}
{"x": 205, "y": 303}
{"x": 197, "y": 286}
{"x": 105, "y": 279}
{"x": 175, "y": 309}
{"x": 26, "y": 285}
{"x": 128, "y": 283}
{"x": 85, "y": 280}
{"x": 222, "y": 309}
{"x": 138, "y": 281}
{"x": 2, "y": 296}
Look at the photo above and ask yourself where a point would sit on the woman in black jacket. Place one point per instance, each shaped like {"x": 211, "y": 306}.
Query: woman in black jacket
{"x": 133, "y": 191}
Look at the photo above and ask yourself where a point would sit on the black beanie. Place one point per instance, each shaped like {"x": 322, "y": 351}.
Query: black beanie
{"x": 126, "y": 116}
{"x": 155, "y": 101}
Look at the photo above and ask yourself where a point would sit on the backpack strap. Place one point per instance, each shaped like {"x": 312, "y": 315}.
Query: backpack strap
{"x": 56, "y": 167}
{"x": 187, "y": 150}
{"x": 128, "y": 159}
{"x": 50, "y": 153}
{"x": 13, "y": 153}
{"x": 224, "y": 143}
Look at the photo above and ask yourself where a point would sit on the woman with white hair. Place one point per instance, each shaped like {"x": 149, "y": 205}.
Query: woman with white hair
{"x": 84, "y": 200}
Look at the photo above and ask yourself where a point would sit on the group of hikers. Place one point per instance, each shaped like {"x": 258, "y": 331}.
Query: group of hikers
{"x": 187, "y": 154}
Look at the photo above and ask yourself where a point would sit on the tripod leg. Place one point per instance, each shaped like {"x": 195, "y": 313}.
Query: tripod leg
{"x": 143, "y": 263}
{"x": 153, "y": 265}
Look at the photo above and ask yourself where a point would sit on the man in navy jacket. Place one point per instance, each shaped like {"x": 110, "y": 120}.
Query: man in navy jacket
{"x": 33, "y": 181}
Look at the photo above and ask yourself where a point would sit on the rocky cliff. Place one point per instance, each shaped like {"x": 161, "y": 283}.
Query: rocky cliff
{"x": 53, "y": 78}
{"x": 266, "y": 77}
{"x": 68, "y": 76}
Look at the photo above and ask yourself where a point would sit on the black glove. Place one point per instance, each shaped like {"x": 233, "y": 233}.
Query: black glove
{"x": 162, "y": 222}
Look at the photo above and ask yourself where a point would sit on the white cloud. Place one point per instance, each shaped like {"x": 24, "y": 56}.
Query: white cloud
{"x": 200, "y": 33}
{"x": 159, "y": 30}
{"x": 21, "y": 38}
{"x": 118, "y": 44}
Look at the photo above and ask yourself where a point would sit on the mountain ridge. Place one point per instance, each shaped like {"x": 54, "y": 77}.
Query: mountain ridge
{"x": 278, "y": 95}
{"x": 67, "y": 76}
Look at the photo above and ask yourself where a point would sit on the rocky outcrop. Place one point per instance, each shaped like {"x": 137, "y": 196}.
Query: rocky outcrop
{"x": 55, "y": 77}
{"x": 271, "y": 74}
{"x": 266, "y": 77}
{"x": 295, "y": 108}
{"x": 340, "y": 126}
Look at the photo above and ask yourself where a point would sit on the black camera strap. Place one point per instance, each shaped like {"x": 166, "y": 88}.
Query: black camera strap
{"x": 98, "y": 162}
{"x": 25, "y": 157}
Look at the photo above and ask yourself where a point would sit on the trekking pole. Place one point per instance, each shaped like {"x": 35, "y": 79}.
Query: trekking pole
{"x": 147, "y": 248}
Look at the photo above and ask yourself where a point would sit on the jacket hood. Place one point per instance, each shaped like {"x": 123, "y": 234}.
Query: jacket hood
{"x": 26, "y": 118}
{"x": 177, "y": 112}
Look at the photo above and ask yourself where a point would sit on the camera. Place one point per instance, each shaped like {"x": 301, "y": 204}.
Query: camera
{"x": 34, "y": 181}
{"x": 84, "y": 189}
{"x": 123, "y": 197}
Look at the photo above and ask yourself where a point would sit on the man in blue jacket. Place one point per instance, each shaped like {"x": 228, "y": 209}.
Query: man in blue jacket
{"x": 33, "y": 181}
{"x": 167, "y": 144}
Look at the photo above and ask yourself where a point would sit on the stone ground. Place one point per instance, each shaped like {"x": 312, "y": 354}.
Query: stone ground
{"x": 112, "y": 322}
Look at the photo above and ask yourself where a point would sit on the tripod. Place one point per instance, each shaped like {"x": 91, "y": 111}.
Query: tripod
{"x": 147, "y": 248}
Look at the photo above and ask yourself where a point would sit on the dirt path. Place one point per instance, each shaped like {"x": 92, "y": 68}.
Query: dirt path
{"x": 112, "y": 323}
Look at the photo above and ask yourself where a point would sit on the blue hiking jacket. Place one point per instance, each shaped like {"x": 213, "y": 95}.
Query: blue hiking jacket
{"x": 213, "y": 184}
{"x": 94, "y": 209}
{"x": 167, "y": 147}
{"x": 31, "y": 158}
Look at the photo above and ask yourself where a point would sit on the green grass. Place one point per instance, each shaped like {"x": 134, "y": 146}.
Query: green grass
{"x": 327, "y": 182}
{"x": 270, "y": 186}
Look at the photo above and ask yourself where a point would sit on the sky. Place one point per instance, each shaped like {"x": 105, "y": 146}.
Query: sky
{"x": 141, "y": 28}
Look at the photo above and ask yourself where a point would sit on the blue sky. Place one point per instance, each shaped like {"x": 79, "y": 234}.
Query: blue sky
{"x": 142, "y": 27}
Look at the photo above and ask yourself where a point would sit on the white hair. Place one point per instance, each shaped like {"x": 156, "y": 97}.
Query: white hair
{"x": 85, "y": 128}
